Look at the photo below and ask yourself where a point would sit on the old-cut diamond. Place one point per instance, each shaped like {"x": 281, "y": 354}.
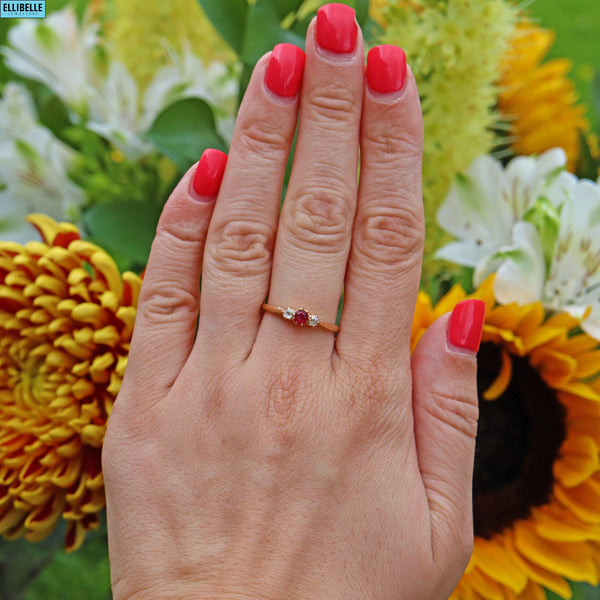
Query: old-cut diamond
{"x": 313, "y": 320}
{"x": 289, "y": 314}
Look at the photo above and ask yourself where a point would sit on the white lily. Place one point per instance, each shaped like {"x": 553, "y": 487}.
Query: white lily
{"x": 34, "y": 167}
{"x": 56, "y": 51}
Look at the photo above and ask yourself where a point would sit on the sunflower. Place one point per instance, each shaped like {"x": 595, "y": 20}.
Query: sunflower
{"x": 538, "y": 99}
{"x": 66, "y": 318}
{"x": 536, "y": 488}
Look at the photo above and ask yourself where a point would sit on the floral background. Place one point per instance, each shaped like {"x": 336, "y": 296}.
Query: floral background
{"x": 105, "y": 103}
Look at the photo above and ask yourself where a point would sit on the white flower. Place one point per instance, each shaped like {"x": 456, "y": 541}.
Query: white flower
{"x": 56, "y": 51}
{"x": 115, "y": 114}
{"x": 122, "y": 115}
{"x": 487, "y": 201}
{"x": 535, "y": 226}
{"x": 34, "y": 168}
{"x": 573, "y": 282}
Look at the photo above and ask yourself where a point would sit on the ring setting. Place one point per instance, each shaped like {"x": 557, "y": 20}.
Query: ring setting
{"x": 300, "y": 316}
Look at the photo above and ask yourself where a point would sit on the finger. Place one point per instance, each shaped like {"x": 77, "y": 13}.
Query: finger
{"x": 445, "y": 411}
{"x": 384, "y": 267}
{"x": 313, "y": 237}
{"x": 237, "y": 261}
{"x": 168, "y": 305}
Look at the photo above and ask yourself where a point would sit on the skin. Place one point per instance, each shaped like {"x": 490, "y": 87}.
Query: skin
{"x": 248, "y": 458}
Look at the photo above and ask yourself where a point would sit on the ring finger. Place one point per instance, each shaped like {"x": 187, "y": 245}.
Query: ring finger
{"x": 313, "y": 238}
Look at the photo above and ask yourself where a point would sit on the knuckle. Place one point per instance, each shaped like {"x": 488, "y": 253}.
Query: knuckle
{"x": 389, "y": 235}
{"x": 460, "y": 414}
{"x": 160, "y": 306}
{"x": 334, "y": 103}
{"x": 242, "y": 241}
{"x": 264, "y": 138}
{"x": 394, "y": 144}
{"x": 321, "y": 217}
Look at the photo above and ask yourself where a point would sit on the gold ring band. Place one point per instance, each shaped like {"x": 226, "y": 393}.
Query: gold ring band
{"x": 300, "y": 316}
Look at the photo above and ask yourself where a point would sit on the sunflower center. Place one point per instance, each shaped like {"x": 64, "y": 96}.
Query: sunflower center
{"x": 518, "y": 439}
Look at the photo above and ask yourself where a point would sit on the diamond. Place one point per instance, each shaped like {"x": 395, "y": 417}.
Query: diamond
{"x": 313, "y": 320}
{"x": 289, "y": 314}
{"x": 301, "y": 317}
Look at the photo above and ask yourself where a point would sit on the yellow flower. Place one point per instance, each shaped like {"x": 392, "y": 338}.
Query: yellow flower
{"x": 141, "y": 32}
{"x": 536, "y": 489}
{"x": 454, "y": 49}
{"x": 66, "y": 317}
{"x": 537, "y": 99}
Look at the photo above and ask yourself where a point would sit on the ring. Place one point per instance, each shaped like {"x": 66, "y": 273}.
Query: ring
{"x": 300, "y": 316}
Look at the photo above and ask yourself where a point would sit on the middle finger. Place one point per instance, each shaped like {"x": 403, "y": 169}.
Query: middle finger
{"x": 313, "y": 237}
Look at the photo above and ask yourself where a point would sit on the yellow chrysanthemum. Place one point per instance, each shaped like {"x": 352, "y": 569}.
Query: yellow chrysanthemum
{"x": 538, "y": 99}
{"x": 66, "y": 317}
{"x": 536, "y": 489}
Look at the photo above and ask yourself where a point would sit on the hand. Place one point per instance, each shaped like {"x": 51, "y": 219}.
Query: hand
{"x": 247, "y": 457}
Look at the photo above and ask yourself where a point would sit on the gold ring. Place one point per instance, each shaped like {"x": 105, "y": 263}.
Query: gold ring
{"x": 300, "y": 316}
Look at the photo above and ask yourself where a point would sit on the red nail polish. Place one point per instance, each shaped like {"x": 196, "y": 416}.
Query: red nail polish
{"x": 209, "y": 173}
{"x": 386, "y": 69}
{"x": 337, "y": 28}
{"x": 285, "y": 69}
{"x": 466, "y": 325}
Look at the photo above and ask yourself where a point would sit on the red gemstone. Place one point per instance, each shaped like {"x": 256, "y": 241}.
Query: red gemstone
{"x": 301, "y": 317}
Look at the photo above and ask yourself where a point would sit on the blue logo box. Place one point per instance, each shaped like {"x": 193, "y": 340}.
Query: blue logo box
{"x": 22, "y": 10}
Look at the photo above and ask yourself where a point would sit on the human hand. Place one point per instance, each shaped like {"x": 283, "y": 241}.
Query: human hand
{"x": 247, "y": 457}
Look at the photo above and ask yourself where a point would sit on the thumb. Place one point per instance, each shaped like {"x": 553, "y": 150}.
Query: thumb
{"x": 445, "y": 410}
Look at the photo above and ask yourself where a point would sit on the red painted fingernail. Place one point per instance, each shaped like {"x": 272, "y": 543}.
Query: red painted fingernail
{"x": 209, "y": 173}
{"x": 386, "y": 69}
{"x": 285, "y": 69}
{"x": 466, "y": 325}
{"x": 337, "y": 28}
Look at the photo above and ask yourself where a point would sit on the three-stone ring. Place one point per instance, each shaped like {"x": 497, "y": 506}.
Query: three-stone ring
{"x": 300, "y": 316}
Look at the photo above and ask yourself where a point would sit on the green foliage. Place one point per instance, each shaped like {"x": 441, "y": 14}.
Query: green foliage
{"x": 184, "y": 130}
{"x": 253, "y": 29}
{"x": 83, "y": 575}
{"x": 125, "y": 229}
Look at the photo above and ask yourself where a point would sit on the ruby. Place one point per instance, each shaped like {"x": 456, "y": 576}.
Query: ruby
{"x": 301, "y": 317}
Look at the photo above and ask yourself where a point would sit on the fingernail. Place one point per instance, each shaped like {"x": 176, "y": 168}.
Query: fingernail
{"x": 285, "y": 69}
{"x": 386, "y": 69}
{"x": 209, "y": 173}
{"x": 466, "y": 325}
{"x": 337, "y": 28}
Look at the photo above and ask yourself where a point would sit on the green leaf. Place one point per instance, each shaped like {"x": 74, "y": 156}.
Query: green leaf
{"x": 125, "y": 230}
{"x": 229, "y": 18}
{"x": 587, "y": 165}
{"x": 184, "y": 130}
{"x": 22, "y": 561}
{"x": 596, "y": 92}
{"x": 264, "y": 30}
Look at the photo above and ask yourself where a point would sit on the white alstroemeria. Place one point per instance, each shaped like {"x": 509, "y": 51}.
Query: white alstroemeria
{"x": 487, "y": 201}
{"x": 535, "y": 227}
{"x": 573, "y": 282}
{"x": 115, "y": 114}
{"x": 34, "y": 167}
{"x": 519, "y": 267}
{"x": 188, "y": 77}
{"x": 56, "y": 51}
